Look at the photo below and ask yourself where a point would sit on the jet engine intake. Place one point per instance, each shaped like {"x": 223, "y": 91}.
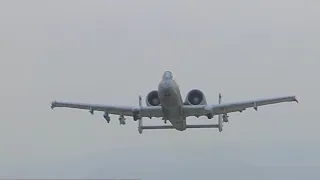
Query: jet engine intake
{"x": 153, "y": 98}
{"x": 195, "y": 97}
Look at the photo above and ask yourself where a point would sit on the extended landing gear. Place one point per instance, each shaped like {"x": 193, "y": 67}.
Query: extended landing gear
{"x": 106, "y": 117}
{"x": 210, "y": 116}
{"x": 225, "y": 118}
{"x": 136, "y": 115}
{"x": 91, "y": 111}
{"x": 136, "y": 118}
{"x": 136, "y": 112}
{"x": 165, "y": 120}
{"x": 122, "y": 120}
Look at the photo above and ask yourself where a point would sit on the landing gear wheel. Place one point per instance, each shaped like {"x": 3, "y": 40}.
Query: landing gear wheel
{"x": 106, "y": 117}
{"x": 225, "y": 118}
{"x": 209, "y": 116}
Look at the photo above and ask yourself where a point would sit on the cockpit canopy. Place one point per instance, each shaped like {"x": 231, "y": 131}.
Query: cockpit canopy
{"x": 167, "y": 75}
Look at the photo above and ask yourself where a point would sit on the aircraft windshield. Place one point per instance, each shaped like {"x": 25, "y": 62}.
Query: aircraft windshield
{"x": 167, "y": 75}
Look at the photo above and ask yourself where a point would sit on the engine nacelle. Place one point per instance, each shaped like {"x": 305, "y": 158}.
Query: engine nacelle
{"x": 195, "y": 97}
{"x": 153, "y": 98}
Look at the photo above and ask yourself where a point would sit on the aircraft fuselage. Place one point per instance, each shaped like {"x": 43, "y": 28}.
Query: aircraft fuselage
{"x": 171, "y": 103}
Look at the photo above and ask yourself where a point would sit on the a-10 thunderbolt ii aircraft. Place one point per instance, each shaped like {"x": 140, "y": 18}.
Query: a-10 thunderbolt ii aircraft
{"x": 167, "y": 103}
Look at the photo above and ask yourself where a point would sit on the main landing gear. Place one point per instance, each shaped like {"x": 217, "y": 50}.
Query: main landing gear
{"x": 225, "y": 118}
{"x": 210, "y": 116}
{"x": 165, "y": 120}
{"x": 106, "y": 117}
{"x": 136, "y": 115}
{"x": 122, "y": 120}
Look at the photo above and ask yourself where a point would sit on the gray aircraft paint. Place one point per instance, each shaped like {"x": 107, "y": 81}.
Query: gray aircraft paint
{"x": 171, "y": 101}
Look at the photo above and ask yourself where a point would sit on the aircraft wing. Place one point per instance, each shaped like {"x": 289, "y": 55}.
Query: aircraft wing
{"x": 154, "y": 111}
{"x": 202, "y": 110}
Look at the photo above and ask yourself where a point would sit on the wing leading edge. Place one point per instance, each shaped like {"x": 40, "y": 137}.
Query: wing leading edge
{"x": 188, "y": 110}
{"x": 224, "y": 108}
{"x": 154, "y": 111}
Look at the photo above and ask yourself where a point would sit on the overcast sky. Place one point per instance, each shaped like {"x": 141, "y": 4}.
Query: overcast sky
{"x": 112, "y": 51}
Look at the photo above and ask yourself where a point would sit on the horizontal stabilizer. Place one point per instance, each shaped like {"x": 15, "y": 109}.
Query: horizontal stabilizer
{"x": 188, "y": 126}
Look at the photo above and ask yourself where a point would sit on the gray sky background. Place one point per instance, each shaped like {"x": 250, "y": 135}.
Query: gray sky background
{"x": 112, "y": 51}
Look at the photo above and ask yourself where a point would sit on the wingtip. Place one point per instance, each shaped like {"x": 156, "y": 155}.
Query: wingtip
{"x": 296, "y": 99}
{"x": 53, "y": 104}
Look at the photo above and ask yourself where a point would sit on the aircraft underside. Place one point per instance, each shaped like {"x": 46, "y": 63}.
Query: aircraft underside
{"x": 175, "y": 117}
{"x": 166, "y": 103}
